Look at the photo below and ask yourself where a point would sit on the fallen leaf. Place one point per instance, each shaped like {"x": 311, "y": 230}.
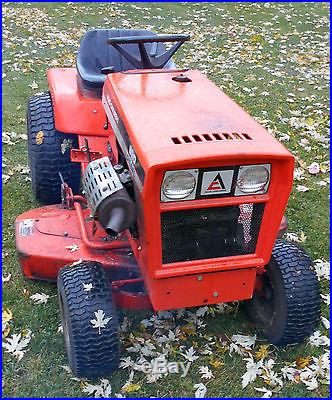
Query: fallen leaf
{"x": 301, "y": 188}
{"x": 325, "y": 322}
{"x": 302, "y": 362}
{"x": 72, "y": 248}
{"x": 262, "y": 352}
{"x": 317, "y": 339}
{"x": 201, "y": 390}
{"x": 205, "y": 372}
{"x": 40, "y": 298}
{"x": 216, "y": 363}
{"x": 16, "y": 344}
{"x": 267, "y": 393}
{"x": 5, "y": 330}
{"x": 100, "y": 321}
{"x": 7, "y": 278}
{"x": 87, "y": 287}
{"x": 131, "y": 387}
{"x": 7, "y": 315}
{"x": 314, "y": 168}
{"x": 39, "y": 137}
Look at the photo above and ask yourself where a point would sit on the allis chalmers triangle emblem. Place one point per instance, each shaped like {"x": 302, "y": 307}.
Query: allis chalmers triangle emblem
{"x": 217, "y": 184}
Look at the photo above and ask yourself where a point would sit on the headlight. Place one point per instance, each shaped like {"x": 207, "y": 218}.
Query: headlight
{"x": 253, "y": 178}
{"x": 178, "y": 184}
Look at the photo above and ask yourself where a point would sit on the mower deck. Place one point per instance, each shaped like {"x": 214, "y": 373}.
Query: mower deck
{"x": 50, "y": 237}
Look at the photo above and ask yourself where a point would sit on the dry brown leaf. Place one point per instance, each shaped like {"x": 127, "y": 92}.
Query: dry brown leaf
{"x": 262, "y": 352}
{"x": 132, "y": 387}
{"x": 302, "y": 362}
{"x": 7, "y": 315}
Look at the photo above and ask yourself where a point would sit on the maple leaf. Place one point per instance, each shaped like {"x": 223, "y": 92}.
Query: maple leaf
{"x": 72, "y": 248}
{"x": 262, "y": 352}
{"x": 5, "y": 330}
{"x": 6, "y": 278}
{"x": 87, "y": 287}
{"x": 202, "y": 311}
{"x": 245, "y": 341}
{"x": 66, "y": 368}
{"x": 325, "y": 322}
{"x": 102, "y": 390}
{"x": 201, "y": 390}
{"x": 288, "y": 372}
{"x": 301, "y": 188}
{"x": 253, "y": 370}
{"x": 311, "y": 384}
{"x": 188, "y": 329}
{"x": 33, "y": 85}
{"x": 40, "y": 298}
{"x": 216, "y": 363}
{"x": 322, "y": 269}
{"x": 298, "y": 174}
{"x": 326, "y": 298}
{"x": 302, "y": 362}
{"x": 16, "y": 344}
{"x": 100, "y": 321}
{"x": 96, "y": 390}
{"x": 189, "y": 354}
{"x": 7, "y": 315}
{"x": 317, "y": 339}
{"x": 205, "y": 372}
{"x": 314, "y": 168}
{"x": 131, "y": 387}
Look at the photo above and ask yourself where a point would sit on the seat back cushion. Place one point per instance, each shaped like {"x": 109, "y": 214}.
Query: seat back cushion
{"x": 94, "y": 54}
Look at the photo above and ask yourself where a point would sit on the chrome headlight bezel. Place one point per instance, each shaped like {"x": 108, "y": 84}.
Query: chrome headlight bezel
{"x": 260, "y": 188}
{"x": 191, "y": 192}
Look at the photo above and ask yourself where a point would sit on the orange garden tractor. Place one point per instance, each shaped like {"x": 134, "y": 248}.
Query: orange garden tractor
{"x": 159, "y": 192}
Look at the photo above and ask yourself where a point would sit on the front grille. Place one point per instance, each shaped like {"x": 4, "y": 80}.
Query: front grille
{"x": 214, "y": 232}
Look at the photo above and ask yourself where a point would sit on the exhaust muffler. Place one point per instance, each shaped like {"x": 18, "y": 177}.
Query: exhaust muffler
{"x": 108, "y": 200}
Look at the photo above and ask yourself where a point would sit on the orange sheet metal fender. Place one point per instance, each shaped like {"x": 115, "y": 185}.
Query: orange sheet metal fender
{"x": 74, "y": 113}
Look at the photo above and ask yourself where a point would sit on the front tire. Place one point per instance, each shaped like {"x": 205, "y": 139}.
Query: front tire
{"x": 49, "y": 152}
{"x": 92, "y": 353}
{"x": 287, "y": 308}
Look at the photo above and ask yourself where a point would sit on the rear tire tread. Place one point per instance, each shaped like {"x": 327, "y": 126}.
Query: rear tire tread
{"x": 46, "y": 160}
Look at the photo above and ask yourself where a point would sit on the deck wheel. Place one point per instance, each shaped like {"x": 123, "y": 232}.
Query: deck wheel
{"x": 84, "y": 292}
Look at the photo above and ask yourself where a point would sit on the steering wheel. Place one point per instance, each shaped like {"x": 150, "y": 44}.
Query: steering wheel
{"x": 148, "y": 60}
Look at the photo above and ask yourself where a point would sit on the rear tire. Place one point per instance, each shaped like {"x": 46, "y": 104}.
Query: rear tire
{"x": 49, "y": 152}
{"x": 91, "y": 353}
{"x": 287, "y": 309}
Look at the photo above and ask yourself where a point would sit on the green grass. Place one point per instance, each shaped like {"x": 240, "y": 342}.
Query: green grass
{"x": 246, "y": 49}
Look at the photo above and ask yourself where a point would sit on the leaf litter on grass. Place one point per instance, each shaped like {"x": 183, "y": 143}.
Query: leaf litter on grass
{"x": 278, "y": 46}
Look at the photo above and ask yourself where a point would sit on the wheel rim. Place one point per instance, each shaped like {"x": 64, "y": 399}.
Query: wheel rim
{"x": 264, "y": 301}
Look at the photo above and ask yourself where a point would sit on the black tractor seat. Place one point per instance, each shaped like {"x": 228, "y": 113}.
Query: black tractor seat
{"x": 95, "y": 54}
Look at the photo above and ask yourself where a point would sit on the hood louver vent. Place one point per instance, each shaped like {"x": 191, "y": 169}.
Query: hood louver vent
{"x": 210, "y": 137}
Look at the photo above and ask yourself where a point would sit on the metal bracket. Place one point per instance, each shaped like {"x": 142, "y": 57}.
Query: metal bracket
{"x": 82, "y": 155}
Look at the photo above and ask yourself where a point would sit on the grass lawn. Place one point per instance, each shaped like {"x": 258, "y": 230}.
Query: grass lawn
{"x": 272, "y": 58}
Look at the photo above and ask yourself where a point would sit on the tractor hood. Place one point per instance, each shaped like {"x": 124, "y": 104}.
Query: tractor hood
{"x": 180, "y": 120}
